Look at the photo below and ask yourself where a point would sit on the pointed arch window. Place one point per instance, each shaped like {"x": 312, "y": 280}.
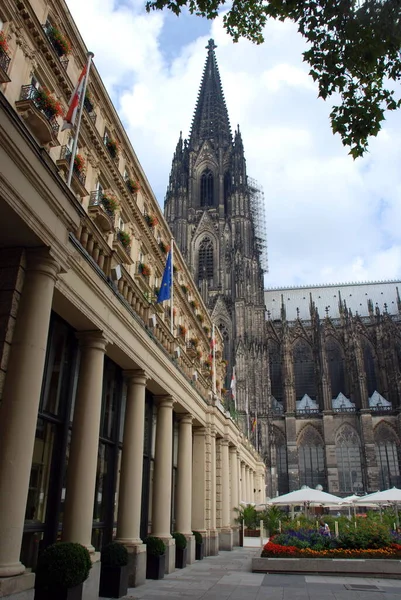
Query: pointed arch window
{"x": 275, "y": 371}
{"x": 206, "y": 188}
{"x": 335, "y": 362}
{"x": 227, "y": 190}
{"x": 281, "y": 461}
{"x": 349, "y": 464}
{"x": 369, "y": 362}
{"x": 205, "y": 261}
{"x": 387, "y": 455}
{"x": 304, "y": 370}
{"x": 311, "y": 458}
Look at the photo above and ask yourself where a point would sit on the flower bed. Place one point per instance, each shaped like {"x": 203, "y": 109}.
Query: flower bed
{"x": 272, "y": 550}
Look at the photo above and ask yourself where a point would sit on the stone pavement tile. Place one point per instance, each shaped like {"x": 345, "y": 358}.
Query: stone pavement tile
{"x": 241, "y": 593}
{"x": 295, "y": 581}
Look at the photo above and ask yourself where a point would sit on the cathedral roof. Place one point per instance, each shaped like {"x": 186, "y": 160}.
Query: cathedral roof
{"x": 210, "y": 121}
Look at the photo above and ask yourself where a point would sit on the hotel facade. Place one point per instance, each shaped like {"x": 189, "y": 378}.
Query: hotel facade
{"x": 111, "y": 426}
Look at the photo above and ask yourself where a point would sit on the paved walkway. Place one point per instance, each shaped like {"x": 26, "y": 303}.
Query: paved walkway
{"x": 228, "y": 577}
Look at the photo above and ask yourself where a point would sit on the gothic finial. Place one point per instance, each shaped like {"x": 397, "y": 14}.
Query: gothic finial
{"x": 283, "y": 311}
{"x": 297, "y": 312}
{"x": 327, "y": 311}
{"x": 211, "y": 45}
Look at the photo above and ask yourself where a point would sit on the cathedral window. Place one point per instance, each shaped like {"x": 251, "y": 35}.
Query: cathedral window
{"x": 227, "y": 190}
{"x": 304, "y": 370}
{"x": 349, "y": 464}
{"x": 387, "y": 456}
{"x": 335, "y": 362}
{"x": 311, "y": 458}
{"x": 206, "y": 188}
{"x": 205, "y": 264}
{"x": 275, "y": 371}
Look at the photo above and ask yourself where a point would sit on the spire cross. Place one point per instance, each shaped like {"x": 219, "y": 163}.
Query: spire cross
{"x": 211, "y": 45}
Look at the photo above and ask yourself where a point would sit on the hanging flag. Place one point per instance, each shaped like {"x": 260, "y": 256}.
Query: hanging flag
{"x": 233, "y": 388}
{"x": 253, "y": 424}
{"x": 167, "y": 281}
{"x": 69, "y": 120}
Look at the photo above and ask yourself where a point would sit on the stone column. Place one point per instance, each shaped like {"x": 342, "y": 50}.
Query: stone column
{"x": 243, "y": 483}
{"x": 19, "y": 406}
{"x": 184, "y": 484}
{"x": 161, "y": 505}
{"x": 226, "y": 534}
{"x": 82, "y": 462}
{"x": 247, "y": 485}
{"x": 199, "y": 481}
{"x": 130, "y": 492}
{"x": 234, "y": 493}
{"x": 252, "y": 484}
{"x": 213, "y": 533}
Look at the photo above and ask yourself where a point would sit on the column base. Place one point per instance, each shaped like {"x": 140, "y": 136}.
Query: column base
{"x": 213, "y": 549}
{"x": 190, "y": 549}
{"x": 91, "y": 585}
{"x": 235, "y": 536}
{"x": 226, "y": 539}
{"x": 136, "y": 564}
{"x": 20, "y": 586}
{"x": 170, "y": 555}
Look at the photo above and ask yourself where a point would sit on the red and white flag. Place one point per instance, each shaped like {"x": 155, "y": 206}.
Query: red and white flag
{"x": 69, "y": 120}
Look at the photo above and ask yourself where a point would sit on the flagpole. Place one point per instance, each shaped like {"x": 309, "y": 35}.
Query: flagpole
{"x": 75, "y": 144}
{"x": 214, "y": 358}
{"x": 172, "y": 288}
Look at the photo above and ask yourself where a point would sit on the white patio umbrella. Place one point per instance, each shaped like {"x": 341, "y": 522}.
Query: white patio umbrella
{"x": 353, "y": 500}
{"x": 307, "y": 495}
{"x": 391, "y": 496}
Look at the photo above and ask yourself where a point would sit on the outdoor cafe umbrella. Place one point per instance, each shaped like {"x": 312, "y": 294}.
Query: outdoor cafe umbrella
{"x": 307, "y": 495}
{"x": 391, "y": 496}
{"x": 353, "y": 500}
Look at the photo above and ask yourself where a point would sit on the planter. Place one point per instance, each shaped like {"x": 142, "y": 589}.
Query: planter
{"x": 369, "y": 567}
{"x": 155, "y": 566}
{"x": 252, "y": 533}
{"x": 74, "y": 593}
{"x": 113, "y": 581}
{"x": 180, "y": 558}
{"x": 199, "y": 551}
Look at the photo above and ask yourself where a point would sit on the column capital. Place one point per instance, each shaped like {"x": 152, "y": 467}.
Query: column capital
{"x": 224, "y": 441}
{"x": 201, "y": 431}
{"x": 92, "y": 339}
{"x": 138, "y": 376}
{"x": 246, "y": 467}
{"x": 233, "y": 449}
{"x": 186, "y": 419}
{"x": 40, "y": 260}
{"x": 165, "y": 401}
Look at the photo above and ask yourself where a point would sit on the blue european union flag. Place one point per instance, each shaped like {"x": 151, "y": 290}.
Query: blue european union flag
{"x": 165, "y": 288}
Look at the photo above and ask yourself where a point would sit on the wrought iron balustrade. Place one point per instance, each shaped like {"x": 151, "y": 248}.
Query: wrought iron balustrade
{"x": 30, "y": 92}
{"x": 65, "y": 154}
{"x": 4, "y": 60}
{"x": 308, "y": 411}
{"x": 98, "y": 199}
{"x": 381, "y": 409}
{"x": 345, "y": 409}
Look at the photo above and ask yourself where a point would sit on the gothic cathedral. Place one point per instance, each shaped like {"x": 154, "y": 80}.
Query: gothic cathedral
{"x": 320, "y": 399}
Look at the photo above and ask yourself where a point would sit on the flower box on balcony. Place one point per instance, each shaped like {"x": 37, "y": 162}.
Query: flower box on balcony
{"x": 144, "y": 270}
{"x": 88, "y": 102}
{"x": 113, "y": 147}
{"x": 132, "y": 185}
{"x": 102, "y": 208}
{"x": 59, "y": 41}
{"x": 200, "y": 318}
{"x": 40, "y": 110}
{"x": 4, "y": 59}
{"x": 124, "y": 238}
{"x": 184, "y": 289}
{"x": 182, "y": 330}
{"x": 151, "y": 220}
{"x": 194, "y": 304}
{"x": 164, "y": 247}
{"x": 122, "y": 245}
{"x": 78, "y": 174}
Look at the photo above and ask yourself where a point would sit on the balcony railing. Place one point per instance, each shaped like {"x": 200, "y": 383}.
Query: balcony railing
{"x": 97, "y": 199}
{"x": 29, "y": 92}
{"x": 65, "y": 154}
{"x": 4, "y": 61}
{"x": 381, "y": 409}
{"x": 90, "y": 109}
{"x": 345, "y": 409}
{"x": 308, "y": 411}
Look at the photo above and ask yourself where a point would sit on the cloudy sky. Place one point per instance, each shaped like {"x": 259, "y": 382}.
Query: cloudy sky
{"x": 329, "y": 218}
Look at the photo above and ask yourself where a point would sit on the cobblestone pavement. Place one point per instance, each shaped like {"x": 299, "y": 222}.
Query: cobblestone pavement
{"x": 228, "y": 577}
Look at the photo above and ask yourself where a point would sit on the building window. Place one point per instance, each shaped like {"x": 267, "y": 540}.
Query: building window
{"x": 227, "y": 190}
{"x": 304, "y": 370}
{"x": 311, "y": 458}
{"x": 205, "y": 263}
{"x": 275, "y": 371}
{"x": 349, "y": 460}
{"x": 335, "y": 362}
{"x": 369, "y": 362}
{"x": 387, "y": 456}
{"x": 206, "y": 188}
{"x": 281, "y": 464}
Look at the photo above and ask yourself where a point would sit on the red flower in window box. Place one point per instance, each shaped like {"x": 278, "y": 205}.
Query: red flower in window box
{"x": 47, "y": 103}
{"x": 61, "y": 45}
{"x": 144, "y": 270}
{"x": 182, "y": 330}
{"x": 151, "y": 220}
{"x": 3, "y": 42}
{"x": 79, "y": 163}
{"x": 132, "y": 185}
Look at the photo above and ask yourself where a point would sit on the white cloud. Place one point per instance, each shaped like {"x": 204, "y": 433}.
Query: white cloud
{"x": 329, "y": 218}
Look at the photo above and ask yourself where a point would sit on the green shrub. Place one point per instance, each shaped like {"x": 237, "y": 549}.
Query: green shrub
{"x": 271, "y": 517}
{"x": 248, "y": 515}
{"x": 368, "y": 534}
{"x": 155, "y": 546}
{"x": 64, "y": 564}
{"x": 198, "y": 537}
{"x": 180, "y": 540}
{"x": 114, "y": 555}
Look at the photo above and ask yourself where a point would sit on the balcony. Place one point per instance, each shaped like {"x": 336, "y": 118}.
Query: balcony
{"x": 142, "y": 277}
{"x": 4, "y": 64}
{"x": 58, "y": 42}
{"x": 43, "y": 123}
{"x": 122, "y": 247}
{"x": 90, "y": 109}
{"x": 78, "y": 177}
{"x": 100, "y": 211}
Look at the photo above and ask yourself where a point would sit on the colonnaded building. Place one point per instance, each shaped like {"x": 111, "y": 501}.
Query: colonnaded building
{"x": 110, "y": 425}
{"x": 318, "y": 383}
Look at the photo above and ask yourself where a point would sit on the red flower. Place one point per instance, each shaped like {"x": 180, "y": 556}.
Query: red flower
{"x": 3, "y": 42}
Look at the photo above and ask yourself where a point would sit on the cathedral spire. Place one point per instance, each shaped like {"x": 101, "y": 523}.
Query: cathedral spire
{"x": 210, "y": 121}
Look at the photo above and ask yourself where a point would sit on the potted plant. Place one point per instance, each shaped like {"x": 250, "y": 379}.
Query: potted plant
{"x": 61, "y": 571}
{"x": 47, "y": 103}
{"x": 194, "y": 304}
{"x": 144, "y": 270}
{"x": 206, "y": 330}
{"x": 199, "y": 546}
{"x": 124, "y": 238}
{"x": 164, "y": 248}
{"x": 112, "y": 146}
{"x": 155, "y": 557}
{"x": 132, "y": 185}
{"x": 88, "y": 101}
{"x": 182, "y": 330}
{"x": 180, "y": 550}
{"x": 200, "y": 318}
{"x": 184, "y": 289}
{"x": 3, "y": 43}
{"x": 114, "y": 571}
{"x": 79, "y": 163}
{"x": 151, "y": 220}
{"x": 60, "y": 43}
{"x": 109, "y": 203}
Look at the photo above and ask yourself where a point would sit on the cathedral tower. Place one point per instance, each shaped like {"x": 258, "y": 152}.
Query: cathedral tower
{"x": 210, "y": 210}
